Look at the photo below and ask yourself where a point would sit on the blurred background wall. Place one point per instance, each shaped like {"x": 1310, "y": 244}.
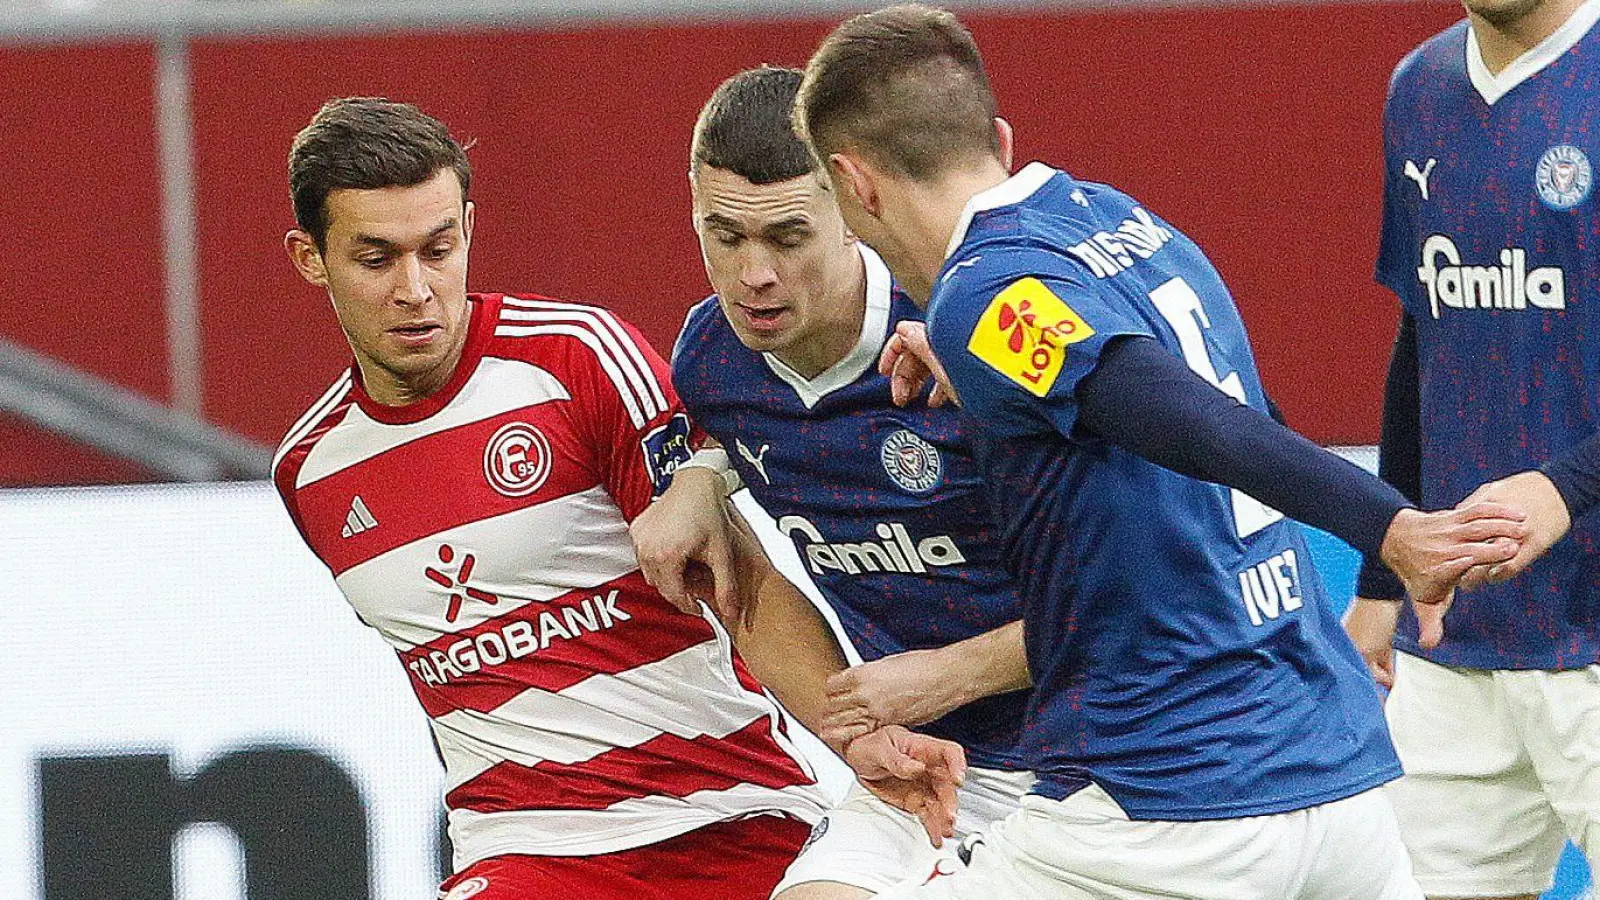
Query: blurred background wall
{"x": 145, "y": 196}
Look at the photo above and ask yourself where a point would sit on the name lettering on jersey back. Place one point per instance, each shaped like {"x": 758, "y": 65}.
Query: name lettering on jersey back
{"x": 1508, "y": 285}
{"x": 897, "y": 552}
{"x": 1108, "y": 253}
{"x": 519, "y": 638}
{"x": 1271, "y": 588}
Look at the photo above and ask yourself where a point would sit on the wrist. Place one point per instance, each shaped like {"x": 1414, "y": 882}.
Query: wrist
{"x": 713, "y": 461}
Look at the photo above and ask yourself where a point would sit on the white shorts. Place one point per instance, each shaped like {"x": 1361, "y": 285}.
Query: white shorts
{"x": 1086, "y": 848}
{"x": 866, "y": 843}
{"x": 1501, "y": 768}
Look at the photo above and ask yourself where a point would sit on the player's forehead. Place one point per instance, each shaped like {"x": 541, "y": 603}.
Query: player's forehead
{"x": 727, "y": 199}
{"x": 395, "y": 215}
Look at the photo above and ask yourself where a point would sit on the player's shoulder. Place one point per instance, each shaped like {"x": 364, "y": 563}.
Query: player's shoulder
{"x": 551, "y": 332}
{"x": 704, "y": 329}
{"x": 316, "y": 421}
{"x": 579, "y": 344}
{"x": 1428, "y": 64}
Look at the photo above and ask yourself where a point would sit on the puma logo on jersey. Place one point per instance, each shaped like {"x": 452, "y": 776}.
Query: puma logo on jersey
{"x": 754, "y": 459}
{"x": 358, "y": 519}
{"x": 1509, "y": 285}
{"x": 1271, "y": 588}
{"x": 1107, "y": 253}
{"x": 517, "y": 639}
{"x": 895, "y": 553}
{"x": 1420, "y": 176}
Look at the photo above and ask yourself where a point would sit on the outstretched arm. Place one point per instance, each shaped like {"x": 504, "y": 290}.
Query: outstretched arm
{"x": 789, "y": 647}
{"x": 918, "y": 686}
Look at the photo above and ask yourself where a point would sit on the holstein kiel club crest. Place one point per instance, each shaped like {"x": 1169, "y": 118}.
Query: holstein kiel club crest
{"x": 1563, "y": 177}
{"x": 912, "y": 462}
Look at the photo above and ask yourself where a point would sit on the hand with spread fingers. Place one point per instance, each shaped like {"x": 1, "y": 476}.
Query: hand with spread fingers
{"x": 1432, "y": 552}
{"x": 1548, "y": 521}
{"x": 914, "y": 772}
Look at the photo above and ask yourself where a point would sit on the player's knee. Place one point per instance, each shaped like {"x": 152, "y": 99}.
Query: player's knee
{"x": 823, "y": 890}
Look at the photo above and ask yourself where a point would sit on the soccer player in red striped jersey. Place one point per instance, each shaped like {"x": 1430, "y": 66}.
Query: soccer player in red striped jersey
{"x": 469, "y": 482}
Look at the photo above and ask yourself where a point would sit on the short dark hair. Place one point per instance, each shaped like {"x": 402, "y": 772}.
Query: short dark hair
{"x": 905, "y": 86}
{"x": 366, "y": 143}
{"x": 746, "y": 128}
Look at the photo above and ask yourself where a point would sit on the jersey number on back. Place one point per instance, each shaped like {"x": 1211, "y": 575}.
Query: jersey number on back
{"x": 1180, "y": 306}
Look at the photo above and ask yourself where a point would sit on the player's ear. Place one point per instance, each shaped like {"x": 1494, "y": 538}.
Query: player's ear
{"x": 305, "y": 256}
{"x": 468, "y": 216}
{"x": 1006, "y": 139}
{"x": 859, "y": 180}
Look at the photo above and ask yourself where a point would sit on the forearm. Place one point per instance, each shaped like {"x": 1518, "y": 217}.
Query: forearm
{"x": 1146, "y": 401}
{"x": 783, "y": 638}
{"x": 995, "y": 662}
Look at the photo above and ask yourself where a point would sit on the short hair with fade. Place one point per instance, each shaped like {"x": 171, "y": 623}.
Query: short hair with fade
{"x": 747, "y": 128}
{"x": 365, "y": 143}
{"x": 905, "y": 86}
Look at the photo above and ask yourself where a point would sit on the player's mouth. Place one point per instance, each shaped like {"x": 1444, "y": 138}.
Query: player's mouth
{"x": 419, "y": 334}
{"x": 764, "y": 318}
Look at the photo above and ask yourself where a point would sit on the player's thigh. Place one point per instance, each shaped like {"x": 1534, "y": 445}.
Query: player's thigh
{"x": 1086, "y": 847}
{"x": 742, "y": 859}
{"x": 1561, "y": 728}
{"x": 1472, "y": 810}
{"x": 1358, "y": 854}
{"x": 863, "y": 844}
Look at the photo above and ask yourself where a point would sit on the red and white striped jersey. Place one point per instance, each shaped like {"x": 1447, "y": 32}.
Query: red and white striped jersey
{"x": 483, "y": 531}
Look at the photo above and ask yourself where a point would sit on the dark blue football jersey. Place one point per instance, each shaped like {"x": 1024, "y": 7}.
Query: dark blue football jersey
{"x": 1492, "y": 243}
{"x": 882, "y": 503}
{"x": 1184, "y": 654}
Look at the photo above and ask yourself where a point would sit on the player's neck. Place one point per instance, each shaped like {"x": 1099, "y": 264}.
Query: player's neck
{"x": 1502, "y": 44}
{"x": 389, "y": 389}
{"x": 838, "y": 332}
{"x": 937, "y": 207}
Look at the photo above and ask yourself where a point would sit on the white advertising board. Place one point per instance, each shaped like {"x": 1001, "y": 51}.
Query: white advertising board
{"x": 175, "y": 658}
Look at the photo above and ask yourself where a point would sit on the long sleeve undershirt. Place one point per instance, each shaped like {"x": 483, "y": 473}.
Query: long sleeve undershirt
{"x": 1142, "y": 398}
{"x": 1399, "y": 449}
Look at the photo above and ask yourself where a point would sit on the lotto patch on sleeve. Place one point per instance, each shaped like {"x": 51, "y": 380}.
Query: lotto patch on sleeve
{"x": 1025, "y": 332}
{"x": 666, "y": 448}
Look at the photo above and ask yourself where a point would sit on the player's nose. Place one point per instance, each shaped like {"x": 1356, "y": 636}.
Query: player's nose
{"x": 412, "y": 286}
{"x": 757, "y": 273}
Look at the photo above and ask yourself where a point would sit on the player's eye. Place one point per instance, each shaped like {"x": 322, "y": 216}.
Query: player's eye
{"x": 727, "y": 238}
{"x": 438, "y": 251}
{"x": 373, "y": 262}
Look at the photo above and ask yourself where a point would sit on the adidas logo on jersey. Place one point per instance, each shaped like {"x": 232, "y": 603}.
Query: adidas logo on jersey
{"x": 358, "y": 519}
{"x": 895, "y": 553}
{"x": 1507, "y": 286}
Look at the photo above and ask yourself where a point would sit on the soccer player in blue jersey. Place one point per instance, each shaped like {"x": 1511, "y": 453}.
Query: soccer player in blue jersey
{"x": 883, "y": 503}
{"x": 1200, "y": 726}
{"x": 1491, "y": 136}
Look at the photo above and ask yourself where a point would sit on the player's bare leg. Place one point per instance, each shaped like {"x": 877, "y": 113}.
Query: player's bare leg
{"x": 824, "y": 890}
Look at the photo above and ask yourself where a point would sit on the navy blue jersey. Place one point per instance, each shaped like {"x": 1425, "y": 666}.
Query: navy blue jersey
{"x": 1492, "y": 243}
{"x": 1184, "y": 655}
{"x": 882, "y": 503}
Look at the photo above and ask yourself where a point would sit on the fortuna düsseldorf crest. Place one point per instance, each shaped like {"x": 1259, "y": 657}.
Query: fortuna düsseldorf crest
{"x": 516, "y": 460}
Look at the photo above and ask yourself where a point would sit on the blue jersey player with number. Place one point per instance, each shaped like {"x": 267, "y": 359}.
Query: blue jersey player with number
{"x": 1491, "y": 137}
{"x": 1200, "y": 726}
{"x": 883, "y": 503}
